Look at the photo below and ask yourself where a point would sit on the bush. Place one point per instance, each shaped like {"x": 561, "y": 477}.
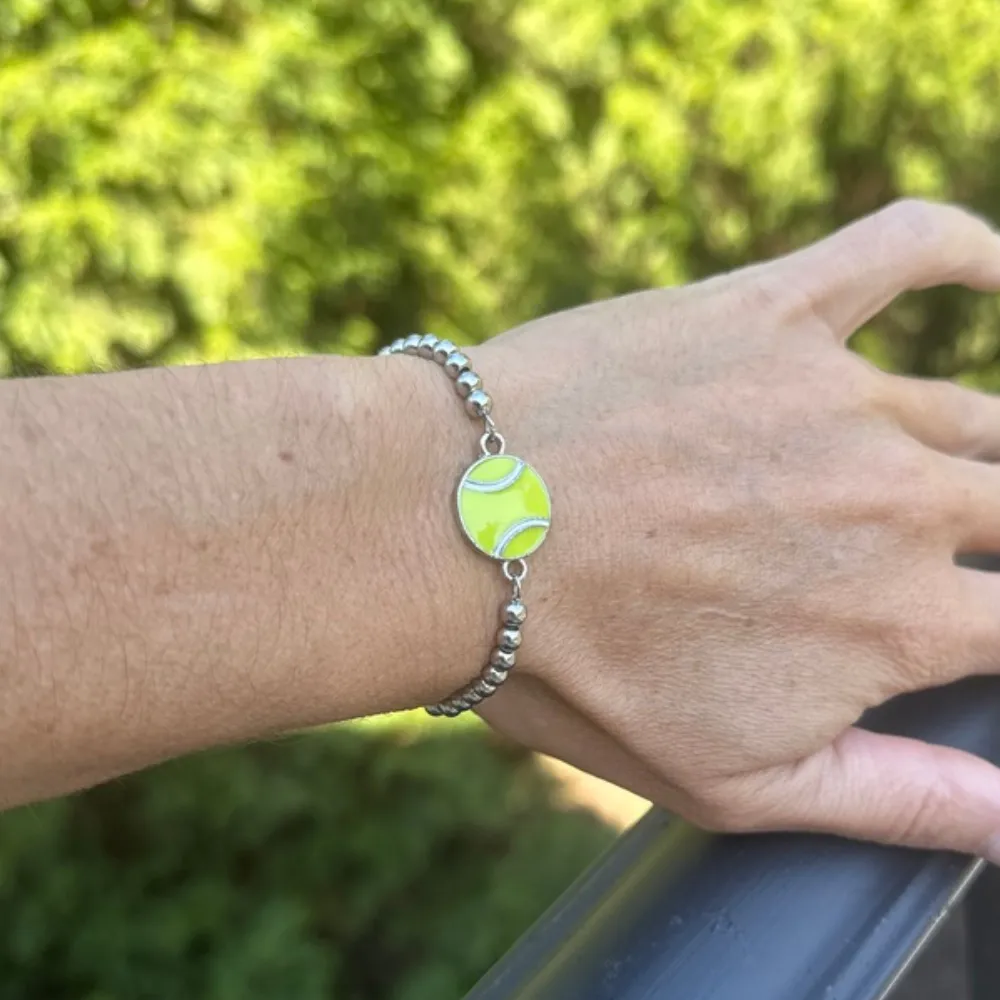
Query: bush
{"x": 187, "y": 180}
{"x": 199, "y": 179}
{"x": 354, "y": 863}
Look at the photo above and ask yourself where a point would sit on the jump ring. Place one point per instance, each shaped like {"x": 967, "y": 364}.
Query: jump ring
{"x": 492, "y": 437}
{"x": 515, "y": 576}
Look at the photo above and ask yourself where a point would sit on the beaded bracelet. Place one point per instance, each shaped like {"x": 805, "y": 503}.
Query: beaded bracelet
{"x": 503, "y": 508}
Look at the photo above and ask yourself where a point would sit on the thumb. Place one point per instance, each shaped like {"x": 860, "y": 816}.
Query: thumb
{"x": 892, "y": 789}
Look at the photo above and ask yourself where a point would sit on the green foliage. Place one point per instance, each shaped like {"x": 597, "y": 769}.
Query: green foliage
{"x": 349, "y": 864}
{"x": 186, "y": 180}
{"x": 199, "y": 179}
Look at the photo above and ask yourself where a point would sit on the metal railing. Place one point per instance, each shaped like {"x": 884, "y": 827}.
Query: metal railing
{"x": 674, "y": 913}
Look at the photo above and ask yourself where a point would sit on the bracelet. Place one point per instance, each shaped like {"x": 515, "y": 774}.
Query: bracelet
{"x": 503, "y": 508}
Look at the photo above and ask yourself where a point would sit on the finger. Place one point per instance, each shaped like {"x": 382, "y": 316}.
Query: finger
{"x": 890, "y": 789}
{"x": 975, "y": 613}
{"x": 850, "y": 276}
{"x": 947, "y": 417}
{"x": 969, "y": 497}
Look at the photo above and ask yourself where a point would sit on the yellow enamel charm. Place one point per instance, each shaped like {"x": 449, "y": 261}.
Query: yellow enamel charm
{"x": 504, "y": 507}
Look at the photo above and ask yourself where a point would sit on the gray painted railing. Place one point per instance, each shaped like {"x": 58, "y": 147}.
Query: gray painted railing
{"x": 673, "y": 913}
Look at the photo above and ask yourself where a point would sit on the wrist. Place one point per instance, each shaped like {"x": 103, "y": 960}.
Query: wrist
{"x": 504, "y": 510}
{"x": 447, "y": 589}
{"x": 417, "y": 605}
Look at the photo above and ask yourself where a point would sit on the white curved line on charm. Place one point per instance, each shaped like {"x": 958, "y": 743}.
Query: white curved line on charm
{"x": 499, "y": 484}
{"x": 515, "y": 529}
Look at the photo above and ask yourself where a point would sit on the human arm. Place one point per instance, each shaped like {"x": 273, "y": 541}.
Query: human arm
{"x": 753, "y": 542}
{"x": 193, "y": 556}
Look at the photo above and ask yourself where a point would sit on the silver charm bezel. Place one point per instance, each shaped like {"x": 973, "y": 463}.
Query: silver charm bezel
{"x": 521, "y": 525}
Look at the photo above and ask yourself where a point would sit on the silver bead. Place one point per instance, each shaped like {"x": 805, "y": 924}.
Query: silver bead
{"x": 396, "y": 347}
{"x": 450, "y": 710}
{"x": 460, "y": 702}
{"x": 434, "y": 710}
{"x": 485, "y": 687}
{"x": 467, "y": 383}
{"x": 470, "y": 694}
{"x": 442, "y": 349}
{"x": 426, "y": 346}
{"x": 495, "y": 675}
{"x": 411, "y": 344}
{"x": 456, "y": 363}
{"x": 384, "y": 350}
{"x": 509, "y": 639}
{"x": 479, "y": 403}
{"x": 503, "y": 658}
{"x": 514, "y": 613}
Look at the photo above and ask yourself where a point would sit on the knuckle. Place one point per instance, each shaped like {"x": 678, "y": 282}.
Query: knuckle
{"x": 863, "y": 386}
{"x": 920, "y": 646}
{"x": 970, "y": 411}
{"x": 957, "y": 399}
{"x": 757, "y": 290}
{"x": 903, "y": 460}
{"x": 969, "y": 634}
{"x": 923, "y": 814}
{"x": 978, "y": 639}
{"x": 937, "y": 502}
{"x": 933, "y": 229}
{"x": 916, "y": 220}
{"x": 947, "y": 506}
{"x": 880, "y": 483}
{"x": 783, "y": 297}
{"x": 916, "y": 497}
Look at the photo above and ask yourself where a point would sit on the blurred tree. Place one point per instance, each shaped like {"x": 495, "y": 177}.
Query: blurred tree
{"x": 204, "y": 179}
{"x": 199, "y": 179}
{"x": 352, "y": 864}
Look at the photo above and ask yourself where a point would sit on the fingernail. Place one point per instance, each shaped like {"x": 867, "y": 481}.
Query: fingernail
{"x": 992, "y": 850}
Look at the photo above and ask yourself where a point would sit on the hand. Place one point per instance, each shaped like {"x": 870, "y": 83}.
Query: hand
{"x": 753, "y": 541}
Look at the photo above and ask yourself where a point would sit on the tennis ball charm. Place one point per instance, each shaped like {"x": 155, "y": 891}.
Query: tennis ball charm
{"x": 503, "y": 507}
